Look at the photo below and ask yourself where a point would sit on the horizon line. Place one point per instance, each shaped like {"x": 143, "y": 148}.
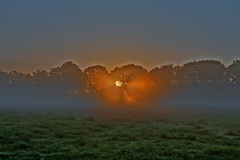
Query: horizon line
{"x": 125, "y": 64}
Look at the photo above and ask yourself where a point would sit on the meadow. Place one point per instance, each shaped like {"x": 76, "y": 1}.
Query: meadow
{"x": 35, "y": 135}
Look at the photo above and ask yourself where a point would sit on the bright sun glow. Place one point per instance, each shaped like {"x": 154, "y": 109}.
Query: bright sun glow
{"x": 118, "y": 83}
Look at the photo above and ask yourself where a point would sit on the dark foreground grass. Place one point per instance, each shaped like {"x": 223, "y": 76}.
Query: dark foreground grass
{"x": 58, "y": 136}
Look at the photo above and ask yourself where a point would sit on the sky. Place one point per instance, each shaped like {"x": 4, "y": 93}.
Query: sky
{"x": 43, "y": 34}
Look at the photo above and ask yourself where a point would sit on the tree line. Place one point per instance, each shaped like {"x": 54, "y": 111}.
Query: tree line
{"x": 68, "y": 78}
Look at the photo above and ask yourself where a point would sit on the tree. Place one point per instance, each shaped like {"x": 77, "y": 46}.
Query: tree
{"x": 206, "y": 71}
{"x": 68, "y": 77}
{"x": 95, "y": 76}
{"x": 4, "y": 78}
{"x": 17, "y": 78}
{"x": 129, "y": 72}
{"x": 40, "y": 76}
{"x": 135, "y": 83}
{"x": 233, "y": 72}
{"x": 164, "y": 76}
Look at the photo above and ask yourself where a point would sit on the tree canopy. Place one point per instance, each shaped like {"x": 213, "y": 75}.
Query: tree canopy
{"x": 97, "y": 80}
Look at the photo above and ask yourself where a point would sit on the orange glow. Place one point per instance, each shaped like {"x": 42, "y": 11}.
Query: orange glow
{"x": 122, "y": 88}
{"x": 123, "y": 92}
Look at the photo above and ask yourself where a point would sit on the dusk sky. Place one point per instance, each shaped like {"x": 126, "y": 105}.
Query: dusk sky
{"x": 43, "y": 34}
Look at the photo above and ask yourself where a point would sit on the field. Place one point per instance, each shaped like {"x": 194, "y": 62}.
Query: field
{"x": 43, "y": 135}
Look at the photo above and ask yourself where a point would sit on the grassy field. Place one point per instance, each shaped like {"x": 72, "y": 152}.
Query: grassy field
{"x": 69, "y": 136}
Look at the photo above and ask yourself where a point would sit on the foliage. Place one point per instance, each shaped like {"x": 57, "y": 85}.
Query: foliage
{"x": 98, "y": 81}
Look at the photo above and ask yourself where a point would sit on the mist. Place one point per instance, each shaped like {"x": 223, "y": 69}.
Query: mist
{"x": 202, "y": 84}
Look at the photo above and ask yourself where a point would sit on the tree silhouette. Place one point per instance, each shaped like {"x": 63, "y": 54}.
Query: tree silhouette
{"x": 164, "y": 76}
{"x": 135, "y": 83}
{"x": 95, "y": 76}
{"x": 207, "y": 71}
{"x": 40, "y": 76}
{"x": 4, "y": 78}
{"x": 233, "y": 73}
{"x": 18, "y": 78}
{"x": 68, "y": 77}
{"x": 128, "y": 72}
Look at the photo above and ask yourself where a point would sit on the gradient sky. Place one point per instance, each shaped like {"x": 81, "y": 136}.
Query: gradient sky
{"x": 42, "y": 34}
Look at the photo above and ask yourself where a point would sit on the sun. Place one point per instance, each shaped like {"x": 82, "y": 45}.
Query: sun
{"x": 118, "y": 83}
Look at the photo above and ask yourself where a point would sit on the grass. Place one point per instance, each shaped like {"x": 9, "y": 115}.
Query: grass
{"x": 50, "y": 136}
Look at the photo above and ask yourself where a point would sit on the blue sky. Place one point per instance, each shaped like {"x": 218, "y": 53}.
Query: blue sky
{"x": 43, "y": 34}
